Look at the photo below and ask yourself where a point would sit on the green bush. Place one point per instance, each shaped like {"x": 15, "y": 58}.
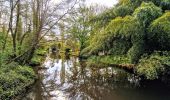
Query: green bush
{"x": 146, "y": 13}
{"x": 152, "y": 66}
{"x": 136, "y": 51}
{"x": 120, "y": 47}
{"x": 36, "y": 60}
{"x": 123, "y": 10}
{"x": 39, "y": 56}
{"x": 165, "y": 4}
{"x": 41, "y": 51}
{"x": 25, "y": 71}
{"x": 14, "y": 79}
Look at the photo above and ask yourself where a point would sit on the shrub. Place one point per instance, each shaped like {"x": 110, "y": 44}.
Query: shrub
{"x": 14, "y": 79}
{"x": 165, "y": 4}
{"x": 123, "y": 10}
{"x": 153, "y": 66}
{"x": 146, "y": 13}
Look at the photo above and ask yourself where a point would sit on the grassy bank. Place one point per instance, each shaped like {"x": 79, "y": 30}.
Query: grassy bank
{"x": 153, "y": 66}
{"x": 121, "y": 62}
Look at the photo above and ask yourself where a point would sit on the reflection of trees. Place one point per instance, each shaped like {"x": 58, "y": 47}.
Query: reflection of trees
{"x": 86, "y": 85}
{"x": 50, "y": 85}
{"x": 96, "y": 85}
{"x": 38, "y": 89}
{"x": 62, "y": 72}
{"x": 87, "y": 82}
{"x": 74, "y": 68}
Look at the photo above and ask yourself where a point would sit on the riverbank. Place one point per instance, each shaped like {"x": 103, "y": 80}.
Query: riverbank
{"x": 16, "y": 79}
{"x": 65, "y": 78}
{"x": 151, "y": 67}
{"x": 114, "y": 61}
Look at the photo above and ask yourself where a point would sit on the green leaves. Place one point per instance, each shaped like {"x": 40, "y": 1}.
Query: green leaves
{"x": 123, "y": 10}
{"x": 133, "y": 28}
{"x": 14, "y": 79}
{"x": 119, "y": 27}
{"x": 79, "y": 26}
{"x": 152, "y": 66}
{"x": 136, "y": 51}
{"x": 117, "y": 36}
{"x": 165, "y": 4}
{"x": 159, "y": 33}
{"x": 146, "y": 13}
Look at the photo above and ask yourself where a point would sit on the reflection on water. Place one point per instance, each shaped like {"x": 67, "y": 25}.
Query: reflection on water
{"x": 66, "y": 78}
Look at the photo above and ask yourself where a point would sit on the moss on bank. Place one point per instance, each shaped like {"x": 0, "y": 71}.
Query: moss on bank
{"x": 14, "y": 79}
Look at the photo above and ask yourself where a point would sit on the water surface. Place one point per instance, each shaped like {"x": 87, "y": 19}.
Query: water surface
{"x": 67, "y": 78}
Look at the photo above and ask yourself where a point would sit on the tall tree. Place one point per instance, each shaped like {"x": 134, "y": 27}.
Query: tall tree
{"x": 78, "y": 24}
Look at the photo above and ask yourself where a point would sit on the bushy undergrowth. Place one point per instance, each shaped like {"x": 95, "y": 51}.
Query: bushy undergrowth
{"x": 135, "y": 28}
{"x": 41, "y": 51}
{"x": 153, "y": 66}
{"x": 14, "y": 79}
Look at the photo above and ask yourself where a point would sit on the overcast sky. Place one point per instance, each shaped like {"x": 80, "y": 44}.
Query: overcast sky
{"x": 108, "y": 3}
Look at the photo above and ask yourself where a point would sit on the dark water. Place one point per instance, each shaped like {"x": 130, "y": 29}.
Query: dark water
{"x": 64, "y": 78}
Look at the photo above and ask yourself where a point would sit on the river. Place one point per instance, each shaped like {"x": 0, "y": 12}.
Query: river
{"x": 67, "y": 78}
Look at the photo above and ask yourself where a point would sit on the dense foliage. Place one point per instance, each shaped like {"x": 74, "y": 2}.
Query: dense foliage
{"x": 159, "y": 33}
{"x": 135, "y": 33}
{"x": 133, "y": 28}
{"x": 23, "y": 25}
{"x": 15, "y": 79}
{"x": 154, "y": 66}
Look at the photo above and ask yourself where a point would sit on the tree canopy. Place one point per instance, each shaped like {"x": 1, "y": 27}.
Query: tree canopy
{"x": 132, "y": 28}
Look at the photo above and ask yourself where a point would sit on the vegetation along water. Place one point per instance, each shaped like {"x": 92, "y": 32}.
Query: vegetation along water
{"x": 70, "y": 50}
